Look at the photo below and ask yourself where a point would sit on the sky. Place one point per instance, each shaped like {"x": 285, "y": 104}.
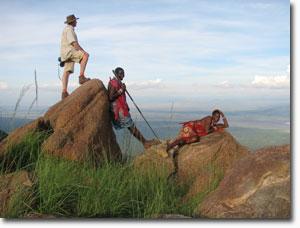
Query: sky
{"x": 189, "y": 54}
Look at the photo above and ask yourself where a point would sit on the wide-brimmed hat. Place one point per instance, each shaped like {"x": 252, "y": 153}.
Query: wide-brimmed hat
{"x": 71, "y": 18}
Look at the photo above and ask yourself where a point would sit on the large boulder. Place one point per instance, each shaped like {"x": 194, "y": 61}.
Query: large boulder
{"x": 199, "y": 163}
{"x": 257, "y": 186}
{"x": 13, "y": 185}
{"x": 80, "y": 127}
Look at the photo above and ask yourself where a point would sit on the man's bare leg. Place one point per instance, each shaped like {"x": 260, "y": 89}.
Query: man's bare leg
{"x": 136, "y": 133}
{"x": 180, "y": 142}
{"x": 174, "y": 157}
{"x": 65, "y": 80}
{"x": 177, "y": 142}
{"x": 83, "y": 64}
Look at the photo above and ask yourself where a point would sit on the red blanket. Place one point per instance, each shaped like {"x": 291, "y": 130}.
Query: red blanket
{"x": 120, "y": 104}
{"x": 191, "y": 129}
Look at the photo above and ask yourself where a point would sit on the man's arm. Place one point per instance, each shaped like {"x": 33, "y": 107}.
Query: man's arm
{"x": 225, "y": 122}
{"x": 206, "y": 121}
{"x": 76, "y": 45}
{"x": 113, "y": 93}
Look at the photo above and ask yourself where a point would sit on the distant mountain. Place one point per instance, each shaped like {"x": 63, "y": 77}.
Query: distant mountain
{"x": 279, "y": 111}
{"x": 7, "y": 124}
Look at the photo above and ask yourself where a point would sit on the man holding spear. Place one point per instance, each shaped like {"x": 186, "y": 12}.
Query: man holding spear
{"x": 120, "y": 110}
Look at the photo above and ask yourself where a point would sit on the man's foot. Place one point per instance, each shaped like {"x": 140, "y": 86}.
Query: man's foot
{"x": 172, "y": 151}
{"x": 64, "y": 95}
{"x": 168, "y": 145}
{"x": 151, "y": 142}
{"x": 83, "y": 79}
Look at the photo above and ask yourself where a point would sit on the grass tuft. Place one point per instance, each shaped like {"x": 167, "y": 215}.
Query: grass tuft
{"x": 23, "y": 155}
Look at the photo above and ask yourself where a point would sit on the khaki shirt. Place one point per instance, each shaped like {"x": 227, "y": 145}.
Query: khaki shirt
{"x": 68, "y": 36}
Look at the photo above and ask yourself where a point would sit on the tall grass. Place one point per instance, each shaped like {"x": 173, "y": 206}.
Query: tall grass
{"x": 71, "y": 189}
{"x": 23, "y": 92}
{"x": 113, "y": 190}
{"x": 23, "y": 155}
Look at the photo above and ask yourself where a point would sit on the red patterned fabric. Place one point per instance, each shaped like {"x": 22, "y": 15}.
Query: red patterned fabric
{"x": 120, "y": 104}
{"x": 191, "y": 129}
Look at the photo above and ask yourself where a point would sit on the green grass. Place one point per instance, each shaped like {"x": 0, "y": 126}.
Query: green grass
{"x": 20, "y": 203}
{"x": 113, "y": 190}
{"x": 23, "y": 155}
{"x": 71, "y": 189}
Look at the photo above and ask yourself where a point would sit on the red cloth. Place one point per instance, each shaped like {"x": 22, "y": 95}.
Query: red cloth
{"x": 120, "y": 104}
{"x": 191, "y": 129}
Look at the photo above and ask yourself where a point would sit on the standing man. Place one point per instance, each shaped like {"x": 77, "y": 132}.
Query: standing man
{"x": 119, "y": 108}
{"x": 71, "y": 52}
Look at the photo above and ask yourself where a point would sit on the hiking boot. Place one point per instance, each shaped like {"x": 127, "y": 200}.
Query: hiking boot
{"x": 83, "y": 79}
{"x": 64, "y": 95}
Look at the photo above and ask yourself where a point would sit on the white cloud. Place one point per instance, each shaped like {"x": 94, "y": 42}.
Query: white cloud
{"x": 56, "y": 86}
{"x": 272, "y": 82}
{"x": 149, "y": 84}
{"x": 3, "y": 85}
{"x": 225, "y": 84}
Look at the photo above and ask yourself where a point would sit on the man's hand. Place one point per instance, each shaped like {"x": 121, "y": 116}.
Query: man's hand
{"x": 221, "y": 113}
{"x": 77, "y": 47}
{"x": 123, "y": 87}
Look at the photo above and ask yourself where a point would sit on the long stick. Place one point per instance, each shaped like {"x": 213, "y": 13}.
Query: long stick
{"x": 142, "y": 114}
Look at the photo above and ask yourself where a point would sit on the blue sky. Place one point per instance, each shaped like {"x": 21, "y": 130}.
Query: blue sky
{"x": 232, "y": 55}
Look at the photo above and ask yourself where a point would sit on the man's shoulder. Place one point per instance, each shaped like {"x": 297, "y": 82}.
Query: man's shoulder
{"x": 205, "y": 119}
{"x": 113, "y": 79}
{"x": 113, "y": 82}
{"x": 68, "y": 28}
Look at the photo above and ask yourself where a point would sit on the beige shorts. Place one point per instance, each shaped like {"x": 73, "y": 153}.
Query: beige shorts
{"x": 75, "y": 57}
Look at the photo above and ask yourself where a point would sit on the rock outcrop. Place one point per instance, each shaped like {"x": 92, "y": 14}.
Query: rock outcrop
{"x": 80, "y": 127}
{"x": 199, "y": 163}
{"x": 11, "y": 185}
{"x": 257, "y": 186}
{"x": 2, "y": 135}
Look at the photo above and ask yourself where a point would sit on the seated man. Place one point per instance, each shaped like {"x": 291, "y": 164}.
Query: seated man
{"x": 119, "y": 108}
{"x": 192, "y": 131}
